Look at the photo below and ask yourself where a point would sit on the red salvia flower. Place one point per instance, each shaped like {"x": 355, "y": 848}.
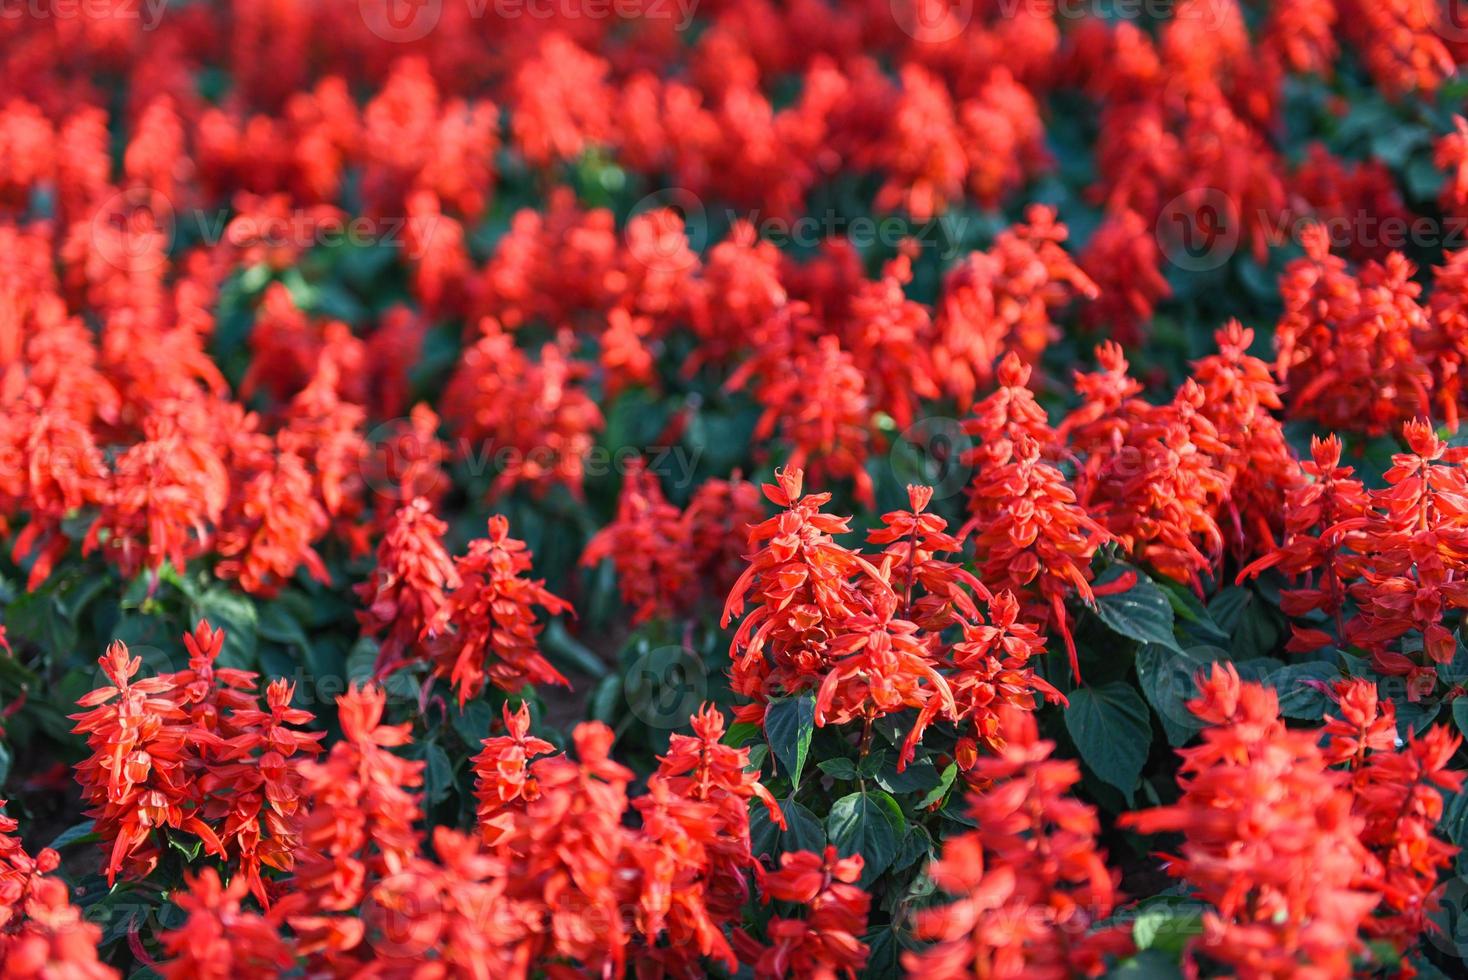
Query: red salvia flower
{"x": 1030, "y": 883}
{"x": 825, "y": 942}
{"x": 803, "y": 587}
{"x": 42, "y": 935}
{"x": 1269, "y": 839}
{"x": 1313, "y": 550}
{"x": 486, "y": 629}
{"x": 1034, "y": 539}
{"x": 219, "y": 939}
{"x": 649, "y": 544}
{"x": 410, "y": 584}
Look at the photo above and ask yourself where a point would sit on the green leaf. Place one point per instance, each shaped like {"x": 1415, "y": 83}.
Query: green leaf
{"x": 1141, "y": 613}
{"x": 5, "y": 760}
{"x": 1167, "y": 924}
{"x": 361, "y": 660}
{"x": 789, "y": 725}
{"x": 438, "y": 776}
{"x": 866, "y": 823}
{"x": 839, "y": 768}
{"x": 945, "y": 781}
{"x": 803, "y": 832}
{"x": 236, "y": 615}
{"x": 1111, "y": 728}
{"x": 1460, "y": 714}
{"x": 605, "y": 698}
{"x": 1252, "y": 625}
{"x": 1167, "y": 679}
{"x": 566, "y": 651}
{"x": 919, "y": 775}
{"x": 1298, "y": 698}
{"x": 279, "y": 626}
{"x": 916, "y": 844}
{"x": 740, "y": 732}
{"x": 75, "y": 834}
{"x": 1149, "y": 964}
{"x": 472, "y": 722}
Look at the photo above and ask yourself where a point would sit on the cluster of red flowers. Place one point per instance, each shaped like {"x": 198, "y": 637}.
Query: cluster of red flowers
{"x": 240, "y": 241}
{"x": 1397, "y": 555}
{"x": 194, "y": 752}
{"x": 1030, "y": 885}
{"x": 1305, "y": 850}
{"x": 472, "y": 618}
{"x": 666, "y": 559}
{"x": 873, "y": 636}
{"x": 41, "y": 933}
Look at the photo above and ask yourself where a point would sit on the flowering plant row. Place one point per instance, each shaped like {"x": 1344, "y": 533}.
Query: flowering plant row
{"x": 759, "y": 490}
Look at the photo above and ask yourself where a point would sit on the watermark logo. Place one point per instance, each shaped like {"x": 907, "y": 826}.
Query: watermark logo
{"x": 665, "y": 685}
{"x": 932, "y": 451}
{"x": 133, "y": 229}
{"x": 1199, "y": 230}
{"x": 401, "y": 21}
{"x": 932, "y": 21}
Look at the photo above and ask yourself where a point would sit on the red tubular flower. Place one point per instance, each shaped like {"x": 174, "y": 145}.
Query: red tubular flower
{"x": 1035, "y": 540}
{"x": 410, "y": 584}
{"x": 648, "y": 542}
{"x": 1157, "y": 487}
{"x": 52, "y": 468}
{"x": 1399, "y": 793}
{"x": 721, "y": 514}
{"x": 804, "y": 587}
{"x": 194, "y": 751}
{"x": 923, "y": 156}
{"x": 825, "y": 942}
{"x": 1315, "y": 512}
{"x": 1005, "y": 299}
{"x": 879, "y": 665}
{"x": 1030, "y": 884}
{"x": 166, "y": 496}
{"x": 360, "y": 815}
{"x": 1346, "y": 345}
{"x": 502, "y": 769}
{"x": 42, "y": 935}
{"x": 1124, "y": 260}
{"x": 532, "y": 417}
{"x": 816, "y": 397}
{"x": 267, "y": 532}
{"x": 1239, "y": 397}
{"x": 1006, "y": 415}
{"x": 914, "y": 539}
{"x": 486, "y": 629}
{"x": 988, "y": 672}
{"x": 138, "y": 778}
{"x": 219, "y": 940}
{"x": 1411, "y": 561}
{"x": 326, "y": 430}
{"x": 1270, "y": 841}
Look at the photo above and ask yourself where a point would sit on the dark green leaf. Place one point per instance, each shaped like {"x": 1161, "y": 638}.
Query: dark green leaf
{"x": 236, "y": 615}
{"x": 866, "y": 823}
{"x": 1141, "y": 613}
{"x": 1111, "y": 728}
{"x": 74, "y": 834}
{"x": 1167, "y": 679}
{"x": 945, "y": 781}
{"x": 918, "y": 776}
{"x": 438, "y": 777}
{"x": 789, "y": 725}
{"x": 839, "y": 768}
{"x": 1298, "y": 698}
